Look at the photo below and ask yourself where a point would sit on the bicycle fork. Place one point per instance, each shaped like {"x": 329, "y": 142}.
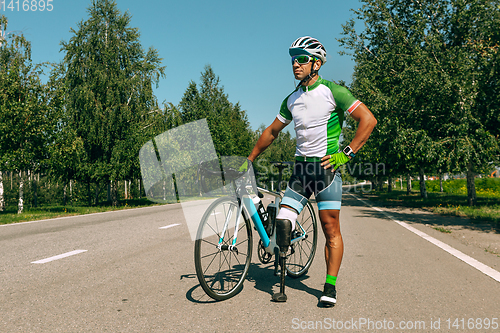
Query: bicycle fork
{"x": 232, "y": 247}
{"x": 283, "y": 240}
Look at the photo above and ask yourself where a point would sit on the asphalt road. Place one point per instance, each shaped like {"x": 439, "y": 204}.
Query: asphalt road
{"x": 129, "y": 274}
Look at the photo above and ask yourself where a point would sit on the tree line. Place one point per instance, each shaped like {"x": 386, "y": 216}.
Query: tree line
{"x": 429, "y": 71}
{"x": 81, "y": 131}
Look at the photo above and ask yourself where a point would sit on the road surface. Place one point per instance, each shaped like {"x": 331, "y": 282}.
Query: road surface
{"x": 133, "y": 271}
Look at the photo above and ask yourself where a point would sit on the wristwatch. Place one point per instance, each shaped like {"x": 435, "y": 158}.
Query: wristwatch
{"x": 349, "y": 152}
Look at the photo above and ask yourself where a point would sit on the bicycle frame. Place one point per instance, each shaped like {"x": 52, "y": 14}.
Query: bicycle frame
{"x": 246, "y": 201}
{"x": 221, "y": 272}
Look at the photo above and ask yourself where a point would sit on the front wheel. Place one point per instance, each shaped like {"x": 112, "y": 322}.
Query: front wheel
{"x": 221, "y": 268}
{"x": 302, "y": 252}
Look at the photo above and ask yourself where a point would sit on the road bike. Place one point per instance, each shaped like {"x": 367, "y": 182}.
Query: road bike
{"x": 224, "y": 241}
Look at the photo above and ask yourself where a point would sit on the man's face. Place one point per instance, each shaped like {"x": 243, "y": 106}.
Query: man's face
{"x": 301, "y": 71}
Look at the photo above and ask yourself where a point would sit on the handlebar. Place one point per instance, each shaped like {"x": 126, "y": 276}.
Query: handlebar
{"x": 229, "y": 174}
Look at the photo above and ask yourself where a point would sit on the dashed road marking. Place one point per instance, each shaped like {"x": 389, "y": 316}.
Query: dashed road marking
{"x": 169, "y": 226}
{"x": 60, "y": 256}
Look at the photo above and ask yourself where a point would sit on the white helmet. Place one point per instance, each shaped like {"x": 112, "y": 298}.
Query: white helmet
{"x": 309, "y": 46}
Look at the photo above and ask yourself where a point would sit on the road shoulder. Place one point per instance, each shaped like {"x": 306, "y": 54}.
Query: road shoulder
{"x": 478, "y": 240}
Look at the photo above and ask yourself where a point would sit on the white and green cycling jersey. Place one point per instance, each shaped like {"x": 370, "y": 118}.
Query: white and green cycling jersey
{"x": 318, "y": 114}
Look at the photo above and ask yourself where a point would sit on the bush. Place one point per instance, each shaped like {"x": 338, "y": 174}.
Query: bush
{"x": 486, "y": 187}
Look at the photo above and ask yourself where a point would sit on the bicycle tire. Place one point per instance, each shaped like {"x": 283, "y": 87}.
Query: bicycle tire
{"x": 221, "y": 272}
{"x": 302, "y": 252}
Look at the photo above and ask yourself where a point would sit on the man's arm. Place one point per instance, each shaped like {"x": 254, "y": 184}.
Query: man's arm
{"x": 366, "y": 124}
{"x": 266, "y": 138}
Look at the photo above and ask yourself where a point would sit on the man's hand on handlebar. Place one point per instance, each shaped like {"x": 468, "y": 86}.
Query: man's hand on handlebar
{"x": 247, "y": 165}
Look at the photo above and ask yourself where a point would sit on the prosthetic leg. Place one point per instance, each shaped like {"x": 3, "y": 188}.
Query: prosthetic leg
{"x": 283, "y": 238}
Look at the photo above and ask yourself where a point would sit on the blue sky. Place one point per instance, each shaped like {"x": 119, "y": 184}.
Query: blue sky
{"x": 245, "y": 42}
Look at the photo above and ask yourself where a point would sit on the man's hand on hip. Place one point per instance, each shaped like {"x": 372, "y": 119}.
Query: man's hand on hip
{"x": 334, "y": 160}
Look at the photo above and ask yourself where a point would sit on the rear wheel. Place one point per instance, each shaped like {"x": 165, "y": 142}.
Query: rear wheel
{"x": 221, "y": 269}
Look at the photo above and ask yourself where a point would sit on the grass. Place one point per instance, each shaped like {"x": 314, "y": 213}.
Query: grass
{"x": 441, "y": 229}
{"x": 489, "y": 250}
{"x": 9, "y": 215}
{"x": 487, "y": 208}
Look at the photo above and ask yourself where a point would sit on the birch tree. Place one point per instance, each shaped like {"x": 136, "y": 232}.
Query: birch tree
{"x": 109, "y": 83}
{"x": 24, "y": 115}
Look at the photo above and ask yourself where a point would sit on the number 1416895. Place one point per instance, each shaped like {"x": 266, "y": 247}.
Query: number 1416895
{"x": 472, "y": 323}
{"x": 26, "y": 5}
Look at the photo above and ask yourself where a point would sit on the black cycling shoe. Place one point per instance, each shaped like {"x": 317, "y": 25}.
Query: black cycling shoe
{"x": 329, "y": 296}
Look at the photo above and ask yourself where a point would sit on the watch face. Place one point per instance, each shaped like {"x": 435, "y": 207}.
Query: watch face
{"x": 348, "y": 151}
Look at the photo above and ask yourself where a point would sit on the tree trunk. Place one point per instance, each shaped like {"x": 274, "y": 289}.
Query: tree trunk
{"x": 389, "y": 184}
{"x": 441, "y": 183}
{"x": 96, "y": 193}
{"x": 89, "y": 195}
{"x": 423, "y": 189}
{"x": 408, "y": 184}
{"x": 471, "y": 186}
{"x": 65, "y": 195}
{"x": 108, "y": 191}
{"x": 2, "y": 200}
{"x": 114, "y": 193}
{"x": 35, "y": 196}
{"x": 126, "y": 189}
{"x": 20, "y": 205}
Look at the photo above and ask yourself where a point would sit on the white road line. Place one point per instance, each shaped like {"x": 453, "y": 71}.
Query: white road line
{"x": 169, "y": 226}
{"x": 456, "y": 253}
{"x": 60, "y": 256}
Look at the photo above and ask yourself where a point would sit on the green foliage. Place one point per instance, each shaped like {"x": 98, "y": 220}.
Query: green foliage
{"x": 486, "y": 187}
{"x": 24, "y": 116}
{"x": 82, "y": 131}
{"x": 487, "y": 209}
{"x": 427, "y": 70}
{"x": 227, "y": 122}
{"x": 109, "y": 101}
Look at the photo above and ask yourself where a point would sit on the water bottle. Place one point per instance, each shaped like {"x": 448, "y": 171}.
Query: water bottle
{"x": 272, "y": 211}
{"x": 264, "y": 216}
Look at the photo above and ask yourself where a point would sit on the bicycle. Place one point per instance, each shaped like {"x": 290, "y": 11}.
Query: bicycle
{"x": 224, "y": 242}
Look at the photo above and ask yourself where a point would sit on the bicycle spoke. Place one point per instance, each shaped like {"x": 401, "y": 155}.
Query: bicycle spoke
{"x": 215, "y": 232}
{"x": 211, "y": 254}
{"x": 210, "y": 264}
{"x": 205, "y": 241}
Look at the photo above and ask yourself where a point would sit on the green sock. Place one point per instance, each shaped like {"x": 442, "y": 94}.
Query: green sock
{"x": 331, "y": 279}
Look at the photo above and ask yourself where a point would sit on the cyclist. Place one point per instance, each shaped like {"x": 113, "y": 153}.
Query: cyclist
{"x": 317, "y": 108}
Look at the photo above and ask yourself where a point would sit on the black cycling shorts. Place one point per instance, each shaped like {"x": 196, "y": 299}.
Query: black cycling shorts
{"x": 309, "y": 178}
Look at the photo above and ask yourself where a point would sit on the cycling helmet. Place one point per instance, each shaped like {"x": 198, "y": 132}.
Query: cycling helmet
{"x": 309, "y": 46}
